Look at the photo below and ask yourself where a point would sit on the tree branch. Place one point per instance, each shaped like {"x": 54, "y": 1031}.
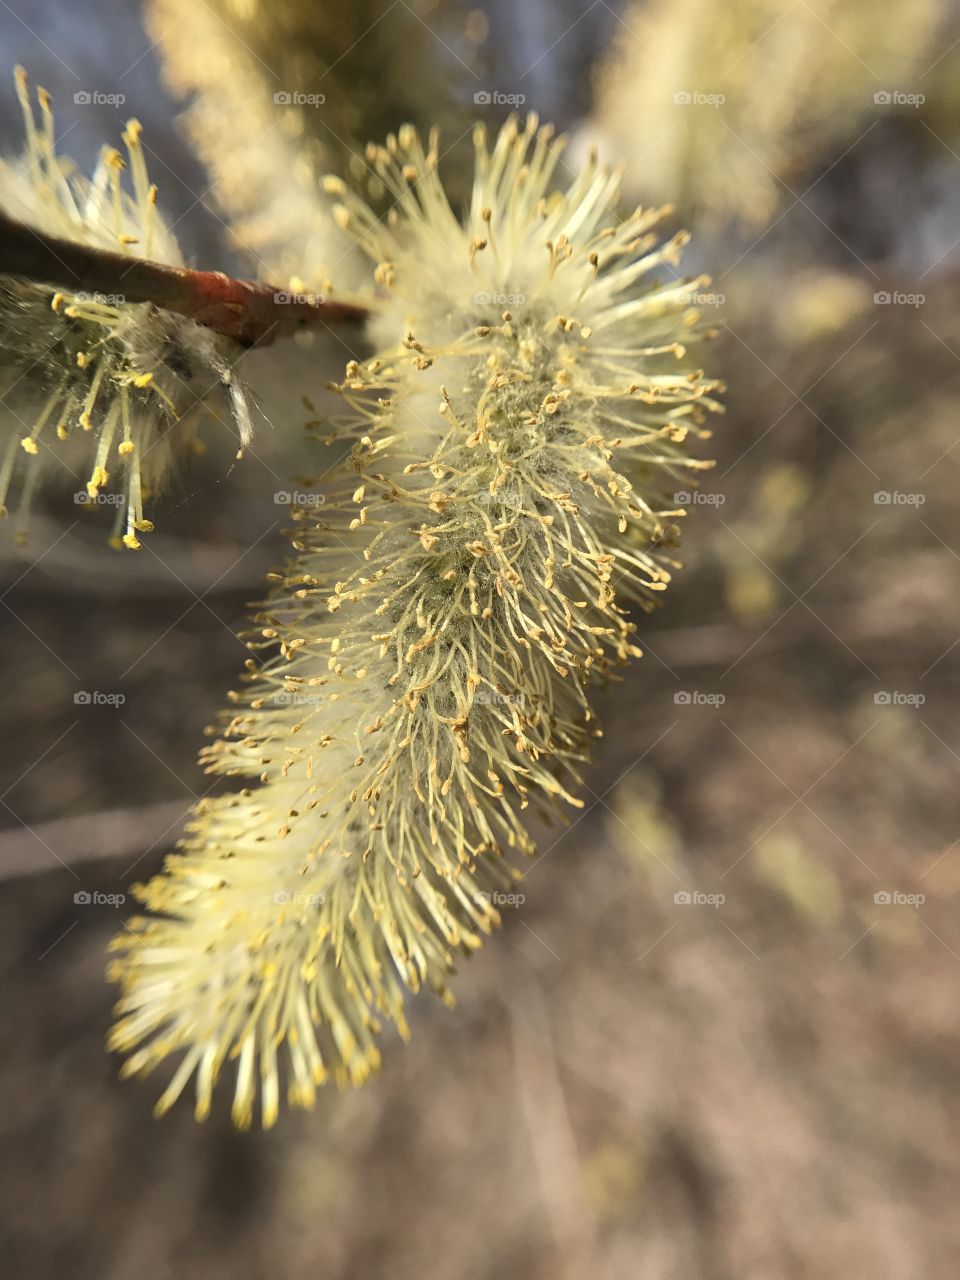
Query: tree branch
{"x": 252, "y": 313}
{"x": 66, "y": 843}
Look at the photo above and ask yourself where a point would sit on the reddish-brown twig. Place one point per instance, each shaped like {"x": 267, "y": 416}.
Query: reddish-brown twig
{"x": 254, "y": 314}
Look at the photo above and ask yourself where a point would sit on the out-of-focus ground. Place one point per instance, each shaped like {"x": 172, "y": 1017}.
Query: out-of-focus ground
{"x": 719, "y": 1040}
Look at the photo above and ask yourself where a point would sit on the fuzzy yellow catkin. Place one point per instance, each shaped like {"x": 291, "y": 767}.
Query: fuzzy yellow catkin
{"x": 279, "y": 92}
{"x": 724, "y": 104}
{"x": 517, "y": 442}
{"x": 100, "y": 389}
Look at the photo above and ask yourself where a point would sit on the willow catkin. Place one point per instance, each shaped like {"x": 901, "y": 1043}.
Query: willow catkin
{"x": 724, "y": 104}
{"x": 279, "y": 92}
{"x": 514, "y": 445}
{"x": 100, "y": 389}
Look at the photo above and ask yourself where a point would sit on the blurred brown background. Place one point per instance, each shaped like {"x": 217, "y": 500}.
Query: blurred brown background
{"x": 719, "y": 1040}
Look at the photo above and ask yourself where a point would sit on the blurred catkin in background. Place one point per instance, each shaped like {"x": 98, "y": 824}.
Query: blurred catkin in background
{"x": 280, "y": 93}
{"x": 725, "y": 105}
